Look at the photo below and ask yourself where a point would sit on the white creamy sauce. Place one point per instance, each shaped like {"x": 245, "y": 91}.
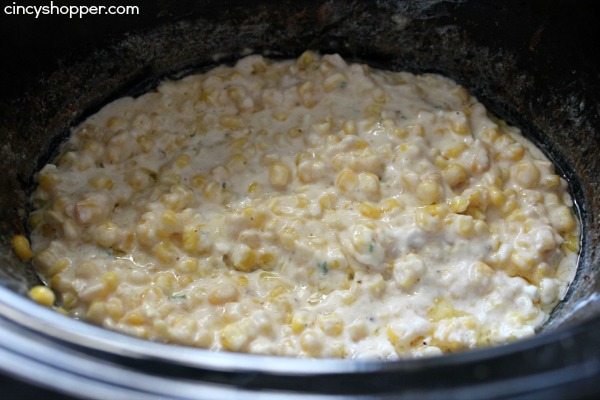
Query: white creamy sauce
{"x": 307, "y": 208}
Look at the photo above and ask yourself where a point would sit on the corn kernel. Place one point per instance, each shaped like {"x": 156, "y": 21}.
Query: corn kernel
{"x": 279, "y": 175}
{"x": 335, "y": 81}
{"x": 562, "y": 219}
{"x": 527, "y": 174}
{"x": 390, "y": 205}
{"x": 307, "y": 60}
{"x": 100, "y": 182}
{"x": 572, "y": 243}
{"x": 328, "y": 201}
{"x": 428, "y": 191}
{"x": 369, "y": 211}
{"x": 243, "y": 258}
{"x": 311, "y": 343}
{"x": 463, "y": 225}
{"x": 96, "y": 312}
{"x": 224, "y": 293}
{"x": 42, "y": 295}
{"x": 331, "y": 324}
{"x": 233, "y": 338}
{"x": 347, "y": 181}
{"x": 165, "y": 252}
{"x": 230, "y": 122}
{"x": 429, "y": 218}
{"x": 454, "y": 152}
{"x": 349, "y": 127}
{"x": 455, "y": 174}
{"x": 368, "y": 184}
{"x": 20, "y": 245}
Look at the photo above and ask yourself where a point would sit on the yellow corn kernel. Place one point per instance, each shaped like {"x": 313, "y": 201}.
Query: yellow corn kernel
{"x": 527, "y": 174}
{"x": 347, "y": 181}
{"x": 133, "y": 318}
{"x": 335, "y": 81}
{"x": 224, "y": 293}
{"x": 230, "y": 122}
{"x": 255, "y": 187}
{"x": 429, "y": 218}
{"x": 463, "y": 225}
{"x": 514, "y": 152}
{"x": 272, "y": 158}
{"x": 349, "y": 127}
{"x": 233, "y": 338}
{"x": 331, "y": 324}
{"x": 524, "y": 261}
{"x": 455, "y": 174}
{"x": 69, "y": 300}
{"x": 307, "y": 60}
{"x": 328, "y": 201}
{"x": 390, "y": 205}
{"x": 496, "y": 196}
{"x": 165, "y": 252}
{"x": 237, "y": 162}
{"x": 243, "y": 258}
{"x": 116, "y": 122}
{"x": 369, "y": 211}
{"x": 212, "y": 191}
{"x": 562, "y": 219}
{"x": 165, "y": 281}
{"x": 35, "y": 219}
{"x": 178, "y": 198}
{"x": 476, "y": 212}
{"x": 279, "y": 175}
{"x": 114, "y": 309}
{"x": 295, "y": 132}
{"x": 198, "y": 181}
{"x": 455, "y": 151}
{"x": 59, "y": 266}
{"x": 460, "y": 128}
{"x": 311, "y": 343}
{"x": 428, "y": 191}
{"x": 111, "y": 280}
{"x": 300, "y": 321}
{"x": 368, "y": 184}
{"x": 107, "y": 234}
{"x": 375, "y": 285}
{"x": 20, "y": 245}
{"x": 571, "y": 243}
{"x": 490, "y": 134}
{"x": 42, "y": 295}
{"x": 187, "y": 265}
{"x": 458, "y": 204}
{"x": 550, "y": 181}
{"x": 96, "y": 312}
{"x": 100, "y": 182}
{"x": 288, "y": 237}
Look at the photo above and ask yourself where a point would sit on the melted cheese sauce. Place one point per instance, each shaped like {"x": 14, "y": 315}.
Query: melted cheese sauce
{"x": 307, "y": 208}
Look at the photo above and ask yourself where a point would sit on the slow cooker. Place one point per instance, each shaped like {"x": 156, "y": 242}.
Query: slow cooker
{"x": 533, "y": 63}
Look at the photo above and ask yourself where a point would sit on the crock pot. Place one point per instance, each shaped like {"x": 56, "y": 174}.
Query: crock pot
{"x": 533, "y": 63}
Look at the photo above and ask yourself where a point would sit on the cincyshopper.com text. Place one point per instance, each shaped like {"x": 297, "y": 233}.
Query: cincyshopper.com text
{"x": 72, "y": 11}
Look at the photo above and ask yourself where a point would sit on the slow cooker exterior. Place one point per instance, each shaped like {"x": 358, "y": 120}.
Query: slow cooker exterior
{"x": 533, "y": 63}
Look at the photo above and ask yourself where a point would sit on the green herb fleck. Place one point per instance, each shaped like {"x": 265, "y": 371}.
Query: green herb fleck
{"x": 371, "y": 247}
{"x": 323, "y": 267}
{"x": 178, "y": 297}
{"x": 224, "y": 185}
